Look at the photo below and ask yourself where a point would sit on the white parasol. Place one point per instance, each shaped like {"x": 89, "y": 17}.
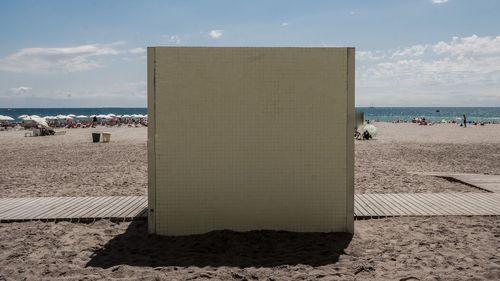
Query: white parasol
{"x": 372, "y": 130}
{"x": 6, "y": 118}
{"x": 41, "y": 121}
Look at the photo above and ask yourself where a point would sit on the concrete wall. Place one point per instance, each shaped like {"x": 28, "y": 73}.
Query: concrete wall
{"x": 250, "y": 138}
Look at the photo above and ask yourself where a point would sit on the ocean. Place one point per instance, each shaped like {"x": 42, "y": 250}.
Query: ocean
{"x": 436, "y": 114}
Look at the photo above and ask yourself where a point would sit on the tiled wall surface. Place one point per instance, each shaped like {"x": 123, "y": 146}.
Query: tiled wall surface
{"x": 250, "y": 138}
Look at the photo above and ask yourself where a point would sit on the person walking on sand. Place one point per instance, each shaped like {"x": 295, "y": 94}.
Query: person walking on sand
{"x": 465, "y": 122}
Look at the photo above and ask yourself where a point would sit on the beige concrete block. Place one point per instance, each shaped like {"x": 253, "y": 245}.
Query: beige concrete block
{"x": 250, "y": 138}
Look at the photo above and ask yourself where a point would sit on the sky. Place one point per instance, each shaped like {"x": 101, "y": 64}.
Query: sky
{"x": 66, "y": 53}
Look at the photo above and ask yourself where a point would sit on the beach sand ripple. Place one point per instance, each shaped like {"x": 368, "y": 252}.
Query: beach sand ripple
{"x": 444, "y": 248}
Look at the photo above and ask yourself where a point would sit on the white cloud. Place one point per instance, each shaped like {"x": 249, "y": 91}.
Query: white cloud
{"x": 20, "y": 89}
{"x": 473, "y": 45}
{"x": 439, "y": 1}
{"x": 413, "y": 51}
{"x": 176, "y": 39}
{"x": 216, "y": 33}
{"x": 463, "y": 71}
{"x": 285, "y": 24}
{"x": 370, "y": 55}
{"x": 137, "y": 51}
{"x": 68, "y": 59}
{"x": 114, "y": 94}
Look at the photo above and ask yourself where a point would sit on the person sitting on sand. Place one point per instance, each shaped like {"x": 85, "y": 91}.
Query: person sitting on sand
{"x": 367, "y": 135}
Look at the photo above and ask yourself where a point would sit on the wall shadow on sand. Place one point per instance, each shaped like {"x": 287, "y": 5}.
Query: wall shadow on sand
{"x": 220, "y": 248}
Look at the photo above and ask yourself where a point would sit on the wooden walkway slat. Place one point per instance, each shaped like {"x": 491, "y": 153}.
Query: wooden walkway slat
{"x": 102, "y": 213}
{"x": 135, "y": 207}
{"x": 366, "y": 212}
{"x": 436, "y": 209}
{"x": 12, "y": 204}
{"x": 61, "y": 209}
{"x": 118, "y": 213}
{"x": 131, "y": 205}
{"x": 78, "y": 207}
{"x": 490, "y": 200}
{"x": 396, "y": 211}
{"x": 478, "y": 204}
{"x": 452, "y": 204}
{"x": 415, "y": 204}
{"x": 368, "y": 207}
{"x": 44, "y": 204}
{"x": 466, "y": 203}
{"x": 141, "y": 204}
{"x": 18, "y": 210}
{"x": 404, "y": 209}
{"x": 412, "y": 210}
{"x": 97, "y": 205}
{"x": 489, "y": 183}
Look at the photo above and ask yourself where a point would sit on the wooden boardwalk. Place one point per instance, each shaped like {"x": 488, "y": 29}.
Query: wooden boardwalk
{"x": 489, "y": 183}
{"x": 426, "y": 204}
{"x": 73, "y": 208}
{"x": 124, "y": 208}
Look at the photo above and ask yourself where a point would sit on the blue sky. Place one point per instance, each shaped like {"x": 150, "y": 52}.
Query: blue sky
{"x": 92, "y": 53}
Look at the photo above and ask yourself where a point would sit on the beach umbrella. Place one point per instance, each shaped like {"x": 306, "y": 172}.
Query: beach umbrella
{"x": 72, "y": 115}
{"x": 372, "y": 130}
{"x": 126, "y": 116}
{"x": 41, "y": 121}
{"x": 82, "y": 117}
{"x": 50, "y": 117}
{"x": 111, "y": 114}
{"x": 6, "y": 118}
{"x": 23, "y": 116}
{"x": 35, "y": 116}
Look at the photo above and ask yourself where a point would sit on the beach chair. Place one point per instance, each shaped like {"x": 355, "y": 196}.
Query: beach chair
{"x": 34, "y": 132}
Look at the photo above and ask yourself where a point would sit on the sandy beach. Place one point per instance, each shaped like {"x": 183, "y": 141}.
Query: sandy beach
{"x": 439, "y": 248}
{"x": 71, "y": 165}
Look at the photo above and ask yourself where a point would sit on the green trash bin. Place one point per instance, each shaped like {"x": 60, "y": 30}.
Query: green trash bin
{"x": 96, "y": 137}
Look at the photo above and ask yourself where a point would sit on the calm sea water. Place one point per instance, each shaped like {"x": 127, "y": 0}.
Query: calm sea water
{"x": 487, "y": 114}
{"x": 491, "y": 114}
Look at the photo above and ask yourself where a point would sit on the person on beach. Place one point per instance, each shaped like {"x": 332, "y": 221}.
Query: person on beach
{"x": 465, "y": 122}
